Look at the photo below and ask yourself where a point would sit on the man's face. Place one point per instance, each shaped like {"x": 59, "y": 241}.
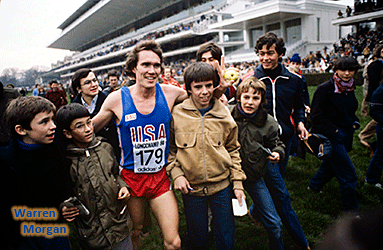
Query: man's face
{"x": 113, "y": 81}
{"x": 148, "y": 68}
{"x": 89, "y": 86}
{"x": 54, "y": 86}
{"x": 269, "y": 57}
{"x": 42, "y": 129}
{"x": 167, "y": 73}
{"x": 201, "y": 93}
{"x": 81, "y": 131}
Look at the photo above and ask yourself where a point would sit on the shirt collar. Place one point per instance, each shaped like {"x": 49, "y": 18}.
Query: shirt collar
{"x": 92, "y": 105}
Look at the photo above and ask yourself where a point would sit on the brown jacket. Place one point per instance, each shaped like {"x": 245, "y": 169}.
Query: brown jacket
{"x": 205, "y": 149}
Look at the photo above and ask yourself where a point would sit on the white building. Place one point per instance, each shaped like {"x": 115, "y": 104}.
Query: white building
{"x": 102, "y": 32}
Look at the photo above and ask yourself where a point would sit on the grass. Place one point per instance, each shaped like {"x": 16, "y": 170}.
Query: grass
{"x": 316, "y": 212}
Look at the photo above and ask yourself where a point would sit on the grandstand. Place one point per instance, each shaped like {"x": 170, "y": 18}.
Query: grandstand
{"x": 102, "y": 32}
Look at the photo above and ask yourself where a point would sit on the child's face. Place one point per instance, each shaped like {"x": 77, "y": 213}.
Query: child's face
{"x": 269, "y": 57}
{"x": 81, "y": 131}
{"x": 201, "y": 93}
{"x": 42, "y": 129}
{"x": 296, "y": 66}
{"x": 345, "y": 75}
{"x": 207, "y": 57}
{"x": 250, "y": 101}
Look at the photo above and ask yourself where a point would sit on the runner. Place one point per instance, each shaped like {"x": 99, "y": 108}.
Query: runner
{"x": 142, "y": 114}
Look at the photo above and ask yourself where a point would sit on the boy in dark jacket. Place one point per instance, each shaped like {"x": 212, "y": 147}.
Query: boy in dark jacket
{"x": 260, "y": 143}
{"x": 258, "y": 131}
{"x": 333, "y": 115}
{"x": 32, "y": 174}
{"x": 101, "y": 216}
{"x": 283, "y": 94}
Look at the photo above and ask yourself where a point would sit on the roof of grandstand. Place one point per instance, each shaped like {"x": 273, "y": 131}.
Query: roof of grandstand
{"x": 84, "y": 28}
{"x": 102, "y": 32}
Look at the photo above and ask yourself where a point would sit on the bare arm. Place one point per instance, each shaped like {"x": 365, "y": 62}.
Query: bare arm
{"x": 173, "y": 94}
{"x": 109, "y": 109}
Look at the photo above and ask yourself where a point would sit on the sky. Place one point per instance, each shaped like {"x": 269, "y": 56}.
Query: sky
{"x": 29, "y": 26}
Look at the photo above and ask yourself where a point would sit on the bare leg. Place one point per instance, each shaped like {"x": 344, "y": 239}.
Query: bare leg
{"x": 147, "y": 220}
{"x": 136, "y": 210}
{"x": 165, "y": 209}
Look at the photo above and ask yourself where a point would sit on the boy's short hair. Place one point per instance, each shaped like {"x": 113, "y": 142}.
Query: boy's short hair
{"x": 347, "y": 63}
{"x": 269, "y": 39}
{"x": 257, "y": 85}
{"x": 198, "y": 72}
{"x": 78, "y": 75}
{"x": 132, "y": 57}
{"x": 112, "y": 72}
{"x": 22, "y": 110}
{"x": 68, "y": 113}
{"x": 215, "y": 51}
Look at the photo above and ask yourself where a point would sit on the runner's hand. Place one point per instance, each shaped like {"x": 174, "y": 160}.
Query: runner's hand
{"x": 123, "y": 193}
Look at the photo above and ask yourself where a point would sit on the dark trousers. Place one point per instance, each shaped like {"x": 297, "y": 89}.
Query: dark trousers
{"x": 196, "y": 211}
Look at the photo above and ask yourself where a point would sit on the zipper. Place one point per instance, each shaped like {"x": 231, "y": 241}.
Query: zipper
{"x": 273, "y": 91}
{"x": 203, "y": 148}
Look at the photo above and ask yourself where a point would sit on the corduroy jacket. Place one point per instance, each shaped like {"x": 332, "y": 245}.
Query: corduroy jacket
{"x": 205, "y": 149}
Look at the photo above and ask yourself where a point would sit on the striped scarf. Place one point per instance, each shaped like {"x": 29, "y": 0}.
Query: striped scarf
{"x": 341, "y": 86}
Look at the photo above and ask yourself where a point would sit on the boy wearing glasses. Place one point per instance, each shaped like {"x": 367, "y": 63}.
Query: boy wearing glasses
{"x": 101, "y": 215}
{"x": 85, "y": 83}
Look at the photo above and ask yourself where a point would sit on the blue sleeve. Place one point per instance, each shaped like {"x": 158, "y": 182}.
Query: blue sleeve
{"x": 376, "y": 105}
{"x": 299, "y": 108}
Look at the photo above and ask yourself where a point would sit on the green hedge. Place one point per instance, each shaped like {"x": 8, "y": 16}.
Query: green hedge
{"x": 314, "y": 79}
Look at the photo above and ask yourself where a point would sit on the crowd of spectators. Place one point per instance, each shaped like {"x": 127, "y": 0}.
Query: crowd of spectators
{"x": 131, "y": 42}
{"x": 363, "y": 6}
{"x": 359, "y": 45}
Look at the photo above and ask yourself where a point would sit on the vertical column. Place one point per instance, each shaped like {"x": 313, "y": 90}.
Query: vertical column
{"x": 246, "y": 38}
{"x": 283, "y": 30}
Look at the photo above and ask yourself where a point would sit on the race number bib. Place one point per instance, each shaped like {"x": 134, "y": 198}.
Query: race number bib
{"x": 149, "y": 157}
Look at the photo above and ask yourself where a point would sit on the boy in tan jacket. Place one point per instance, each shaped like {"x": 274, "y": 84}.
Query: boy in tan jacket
{"x": 204, "y": 160}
